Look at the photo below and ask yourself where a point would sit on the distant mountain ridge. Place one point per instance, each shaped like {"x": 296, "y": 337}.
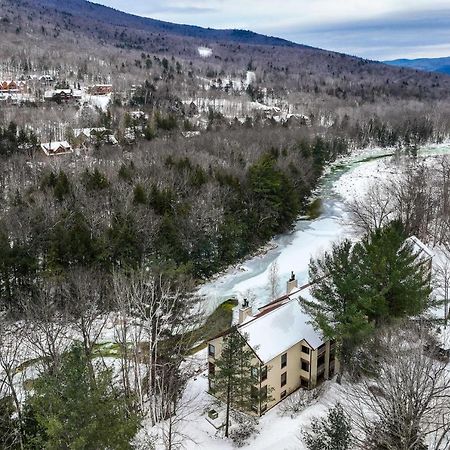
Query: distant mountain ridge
{"x": 115, "y": 17}
{"x": 441, "y": 65}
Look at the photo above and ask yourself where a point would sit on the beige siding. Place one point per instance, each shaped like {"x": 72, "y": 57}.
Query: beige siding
{"x": 294, "y": 372}
{"x": 218, "y": 345}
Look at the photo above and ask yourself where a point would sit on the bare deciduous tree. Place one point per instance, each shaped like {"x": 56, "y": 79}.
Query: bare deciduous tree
{"x": 442, "y": 282}
{"x": 47, "y": 326}
{"x": 273, "y": 281}
{"x": 373, "y": 211}
{"x": 89, "y": 312}
{"x": 153, "y": 328}
{"x": 11, "y": 373}
{"x": 403, "y": 402}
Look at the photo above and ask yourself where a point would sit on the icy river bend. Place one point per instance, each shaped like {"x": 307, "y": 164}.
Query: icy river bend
{"x": 292, "y": 251}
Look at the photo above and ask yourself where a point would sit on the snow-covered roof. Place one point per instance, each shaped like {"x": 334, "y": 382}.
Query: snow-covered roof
{"x": 51, "y": 148}
{"x": 138, "y": 114}
{"x": 276, "y": 331}
{"x": 419, "y": 248}
{"x": 87, "y": 131}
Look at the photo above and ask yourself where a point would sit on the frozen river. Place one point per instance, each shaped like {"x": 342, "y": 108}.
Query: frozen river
{"x": 309, "y": 238}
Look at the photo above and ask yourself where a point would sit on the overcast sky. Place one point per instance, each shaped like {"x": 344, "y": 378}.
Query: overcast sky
{"x": 377, "y": 29}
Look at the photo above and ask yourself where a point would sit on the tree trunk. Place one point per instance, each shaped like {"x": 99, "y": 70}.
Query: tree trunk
{"x": 227, "y": 418}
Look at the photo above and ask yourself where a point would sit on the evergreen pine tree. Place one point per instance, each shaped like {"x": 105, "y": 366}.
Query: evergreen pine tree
{"x": 233, "y": 379}
{"x": 139, "y": 195}
{"x": 330, "y": 433}
{"x": 392, "y": 277}
{"x": 358, "y": 287}
{"x": 69, "y": 409}
{"x": 339, "y": 310}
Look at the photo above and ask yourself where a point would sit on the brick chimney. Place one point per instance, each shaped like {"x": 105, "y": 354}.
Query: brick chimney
{"x": 245, "y": 311}
{"x": 292, "y": 284}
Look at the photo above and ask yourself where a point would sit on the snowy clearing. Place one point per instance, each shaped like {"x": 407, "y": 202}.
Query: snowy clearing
{"x": 205, "y": 52}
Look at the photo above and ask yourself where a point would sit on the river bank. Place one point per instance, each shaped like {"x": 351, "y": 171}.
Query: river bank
{"x": 292, "y": 251}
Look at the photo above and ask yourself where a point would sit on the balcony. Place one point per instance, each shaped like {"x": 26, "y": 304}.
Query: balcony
{"x": 321, "y": 350}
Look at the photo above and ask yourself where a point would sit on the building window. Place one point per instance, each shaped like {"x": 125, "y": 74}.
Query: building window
{"x": 321, "y": 361}
{"x": 283, "y": 360}
{"x": 321, "y": 376}
{"x": 304, "y": 382}
{"x": 211, "y": 369}
{"x": 264, "y": 393}
{"x": 305, "y": 349}
{"x": 283, "y": 394}
{"x": 332, "y": 356}
{"x": 305, "y": 365}
{"x": 211, "y": 350}
{"x": 283, "y": 379}
{"x": 254, "y": 393}
{"x": 264, "y": 373}
{"x": 255, "y": 373}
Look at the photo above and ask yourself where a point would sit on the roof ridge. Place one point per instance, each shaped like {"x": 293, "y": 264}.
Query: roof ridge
{"x": 266, "y": 313}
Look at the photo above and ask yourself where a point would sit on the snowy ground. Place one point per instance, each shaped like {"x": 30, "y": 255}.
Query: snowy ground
{"x": 204, "y": 52}
{"x": 101, "y": 101}
{"x": 274, "y": 429}
{"x": 356, "y": 182}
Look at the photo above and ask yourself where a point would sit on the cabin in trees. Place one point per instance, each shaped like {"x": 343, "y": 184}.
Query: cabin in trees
{"x": 289, "y": 353}
{"x": 46, "y": 79}
{"x": 100, "y": 89}
{"x": 11, "y": 87}
{"x": 84, "y": 137}
{"x": 62, "y": 95}
{"x": 56, "y": 148}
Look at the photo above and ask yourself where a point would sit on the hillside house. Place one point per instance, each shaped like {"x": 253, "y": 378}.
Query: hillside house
{"x": 289, "y": 353}
{"x": 56, "y": 148}
{"x": 138, "y": 115}
{"x": 46, "y": 79}
{"x": 83, "y": 137}
{"x": 100, "y": 89}
{"x": 62, "y": 95}
{"x": 9, "y": 87}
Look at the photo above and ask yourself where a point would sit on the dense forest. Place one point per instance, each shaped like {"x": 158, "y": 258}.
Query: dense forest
{"x": 192, "y": 206}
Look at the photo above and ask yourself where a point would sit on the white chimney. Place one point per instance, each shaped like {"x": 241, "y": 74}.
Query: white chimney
{"x": 245, "y": 311}
{"x": 292, "y": 284}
